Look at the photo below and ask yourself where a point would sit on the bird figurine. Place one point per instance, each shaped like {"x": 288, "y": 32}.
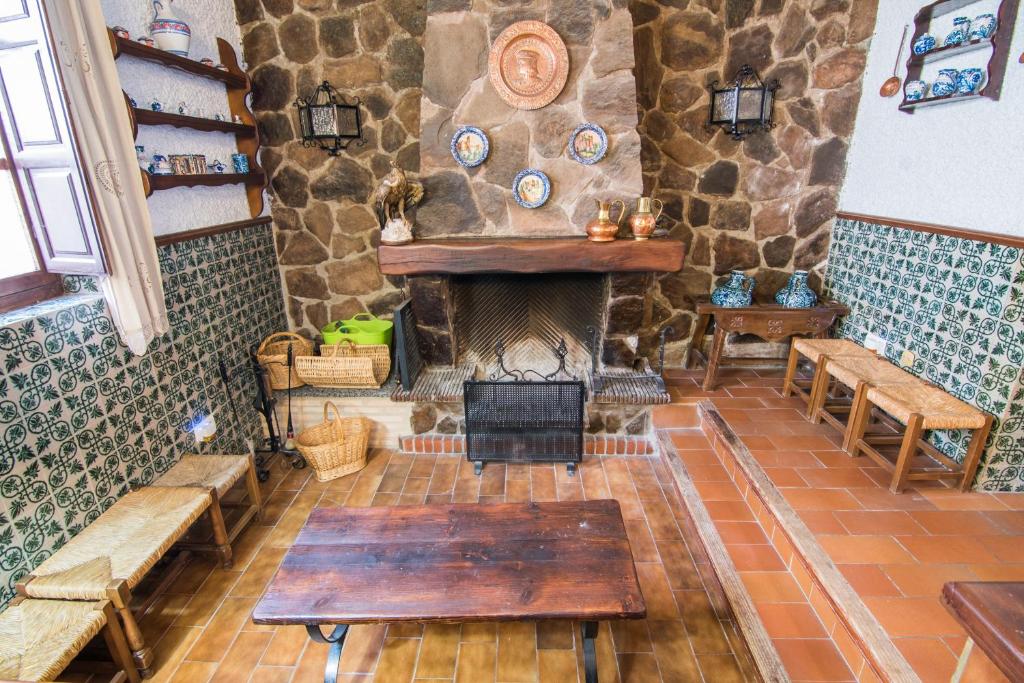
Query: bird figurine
{"x": 393, "y": 195}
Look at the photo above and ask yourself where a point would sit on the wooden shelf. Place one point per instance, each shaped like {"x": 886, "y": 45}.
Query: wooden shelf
{"x": 940, "y": 53}
{"x": 166, "y": 182}
{"x": 124, "y": 46}
{"x": 518, "y": 255}
{"x": 148, "y": 117}
{"x": 932, "y": 101}
{"x": 994, "y": 67}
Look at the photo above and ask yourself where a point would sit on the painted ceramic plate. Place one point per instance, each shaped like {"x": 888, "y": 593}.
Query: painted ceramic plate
{"x": 531, "y": 188}
{"x": 470, "y": 146}
{"x": 588, "y": 143}
{"x": 528, "y": 64}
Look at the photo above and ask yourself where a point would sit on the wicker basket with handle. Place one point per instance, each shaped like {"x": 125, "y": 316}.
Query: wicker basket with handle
{"x": 346, "y": 365}
{"x": 273, "y": 356}
{"x": 335, "y": 447}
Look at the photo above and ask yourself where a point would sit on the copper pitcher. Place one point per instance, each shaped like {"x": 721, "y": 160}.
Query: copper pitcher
{"x": 643, "y": 222}
{"x": 602, "y": 228}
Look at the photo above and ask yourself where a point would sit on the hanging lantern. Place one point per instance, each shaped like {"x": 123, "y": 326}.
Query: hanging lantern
{"x": 327, "y": 122}
{"x": 744, "y": 105}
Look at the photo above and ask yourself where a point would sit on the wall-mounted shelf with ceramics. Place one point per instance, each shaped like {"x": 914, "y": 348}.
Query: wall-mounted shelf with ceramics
{"x": 247, "y": 137}
{"x": 998, "y": 44}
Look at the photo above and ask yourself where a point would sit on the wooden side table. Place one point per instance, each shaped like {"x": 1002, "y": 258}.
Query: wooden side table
{"x": 771, "y": 322}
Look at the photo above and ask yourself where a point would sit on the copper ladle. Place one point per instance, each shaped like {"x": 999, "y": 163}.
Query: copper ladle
{"x": 892, "y": 84}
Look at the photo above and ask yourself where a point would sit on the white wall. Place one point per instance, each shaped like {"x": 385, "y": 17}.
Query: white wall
{"x": 960, "y": 165}
{"x": 182, "y": 209}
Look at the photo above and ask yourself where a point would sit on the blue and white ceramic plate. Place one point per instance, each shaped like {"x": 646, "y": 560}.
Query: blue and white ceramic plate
{"x": 531, "y": 188}
{"x": 588, "y": 144}
{"x": 470, "y": 146}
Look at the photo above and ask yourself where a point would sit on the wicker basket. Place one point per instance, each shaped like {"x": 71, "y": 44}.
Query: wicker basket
{"x": 335, "y": 447}
{"x": 273, "y": 356}
{"x": 346, "y": 365}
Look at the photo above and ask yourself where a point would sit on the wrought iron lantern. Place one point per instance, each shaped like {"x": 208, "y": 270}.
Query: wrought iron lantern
{"x": 743, "y": 105}
{"x": 328, "y": 122}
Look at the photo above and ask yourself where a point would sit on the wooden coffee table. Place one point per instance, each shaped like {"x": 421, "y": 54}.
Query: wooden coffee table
{"x": 456, "y": 563}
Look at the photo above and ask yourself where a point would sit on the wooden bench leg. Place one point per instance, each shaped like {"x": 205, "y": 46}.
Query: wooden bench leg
{"x": 252, "y": 485}
{"x": 974, "y": 451}
{"x": 117, "y": 645}
{"x": 220, "y": 531}
{"x": 907, "y": 452}
{"x": 121, "y": 596}
{"x": 717, "y": 344}
{"x": 794, "y": 359}
{"x": 819, "y": 390}
{"x": 697, "y": 339}
{"x": 860, "y": 400}
{"x": 590, "y": 651}
{"x": 337, "y": 642}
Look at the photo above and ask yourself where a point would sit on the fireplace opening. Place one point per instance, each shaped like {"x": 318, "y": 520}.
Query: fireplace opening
{"x": 530, "y": 315}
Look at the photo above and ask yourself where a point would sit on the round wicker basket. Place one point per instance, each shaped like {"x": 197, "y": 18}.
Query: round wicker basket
{"x": 273, "y": 356}
{"x": 335, "y": 447}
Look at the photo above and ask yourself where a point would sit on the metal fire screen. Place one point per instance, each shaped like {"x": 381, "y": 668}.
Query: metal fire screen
{"x": 522, "y": 420}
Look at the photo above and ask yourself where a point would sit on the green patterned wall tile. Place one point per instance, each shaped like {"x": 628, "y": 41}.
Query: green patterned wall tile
{"x": 82, "y": 419}
{"x": 958, "y": 305}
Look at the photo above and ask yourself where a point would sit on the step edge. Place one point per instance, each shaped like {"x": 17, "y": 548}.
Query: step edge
{"x": 877, "y": 646}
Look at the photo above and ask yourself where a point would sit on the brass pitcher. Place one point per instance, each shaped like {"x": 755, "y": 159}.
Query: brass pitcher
{"x": 642, "y": 222}
{"x": 602, "y": 228}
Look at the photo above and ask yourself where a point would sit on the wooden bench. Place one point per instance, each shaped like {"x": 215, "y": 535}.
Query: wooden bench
{"x": 882, "y": 400}
{"x": 992, "y": 613}
{"x": 456, "y": 563}
{"x": 920, "y": 408}
{"x": 40, "y": 638}
{"x": 814, "y": 351}
{"x": 218, "y": 473}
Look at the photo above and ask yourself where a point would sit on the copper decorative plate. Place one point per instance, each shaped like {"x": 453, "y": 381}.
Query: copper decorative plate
{"x": 528, "y": 64}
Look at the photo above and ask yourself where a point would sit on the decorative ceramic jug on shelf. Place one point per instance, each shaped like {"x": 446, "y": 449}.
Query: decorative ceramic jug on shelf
{"x": 170, "y": 33}
{"x": 602, "y": 228}
{"x": 796, "y": 293}
{"x": 642, "y": 222}
{"x": 736, "y": 293}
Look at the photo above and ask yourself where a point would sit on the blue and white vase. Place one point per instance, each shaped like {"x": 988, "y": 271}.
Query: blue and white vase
{"x": 983, "y": 27}
{"x": 915, "y": 90}
{"x": 796, "y": 293}
{"x": 961, "y": 29}
{"x": 924, "y": 44}
{"x": 240, "y": 162}
{"x": 736, "y": 293}
{"x": 170, "y": 33}
{"x": 968, "y": 80}
{"x": 945, "y": 83}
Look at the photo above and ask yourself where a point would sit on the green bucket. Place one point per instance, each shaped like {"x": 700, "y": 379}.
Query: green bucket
{"x": 366, "y": 323}
{"x": 337, "y": 332}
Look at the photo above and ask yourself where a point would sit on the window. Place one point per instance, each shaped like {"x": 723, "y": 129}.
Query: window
{"x": 46, "y": 224}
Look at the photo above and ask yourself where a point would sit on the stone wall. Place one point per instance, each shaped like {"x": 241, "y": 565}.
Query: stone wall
{"x": 764, "y": 205}
{"x": 457, "y": 91}
{"x": 325, "y": 233}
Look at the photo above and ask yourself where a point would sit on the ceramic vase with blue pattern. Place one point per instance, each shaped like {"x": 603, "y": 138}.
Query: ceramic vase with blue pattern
{"x": 923, "y": 44}
{"x": 961, "y": 29}
{"x": 736, "y": 293}
{"x": 915, "y": 90}
{"x": 945, "y": 83}
{"x": 983, "y": 26}
{"x": 968, "y": 80}
{"x": 796, "y": 293}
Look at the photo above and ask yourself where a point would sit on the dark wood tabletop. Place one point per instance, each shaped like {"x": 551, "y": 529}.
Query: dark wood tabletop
{"x": 457, "y": 563}
{"x": 992, "y": 613}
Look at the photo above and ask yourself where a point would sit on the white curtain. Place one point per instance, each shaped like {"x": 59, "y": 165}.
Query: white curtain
{"x": 133, "y": 290}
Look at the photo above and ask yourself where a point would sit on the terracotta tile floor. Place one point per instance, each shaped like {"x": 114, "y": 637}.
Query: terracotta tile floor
{"x": 895, "y": 550}
{"x": 201, "y": 630}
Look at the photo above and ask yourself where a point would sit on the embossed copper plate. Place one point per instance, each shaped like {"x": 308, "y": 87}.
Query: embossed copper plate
{"x": 528, "y": 64}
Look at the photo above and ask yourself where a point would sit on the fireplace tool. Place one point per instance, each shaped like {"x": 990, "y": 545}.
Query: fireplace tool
{"x": 510, "y": 418}
{"x": 265, "y": 404}
{"x": 642, "y": 366}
